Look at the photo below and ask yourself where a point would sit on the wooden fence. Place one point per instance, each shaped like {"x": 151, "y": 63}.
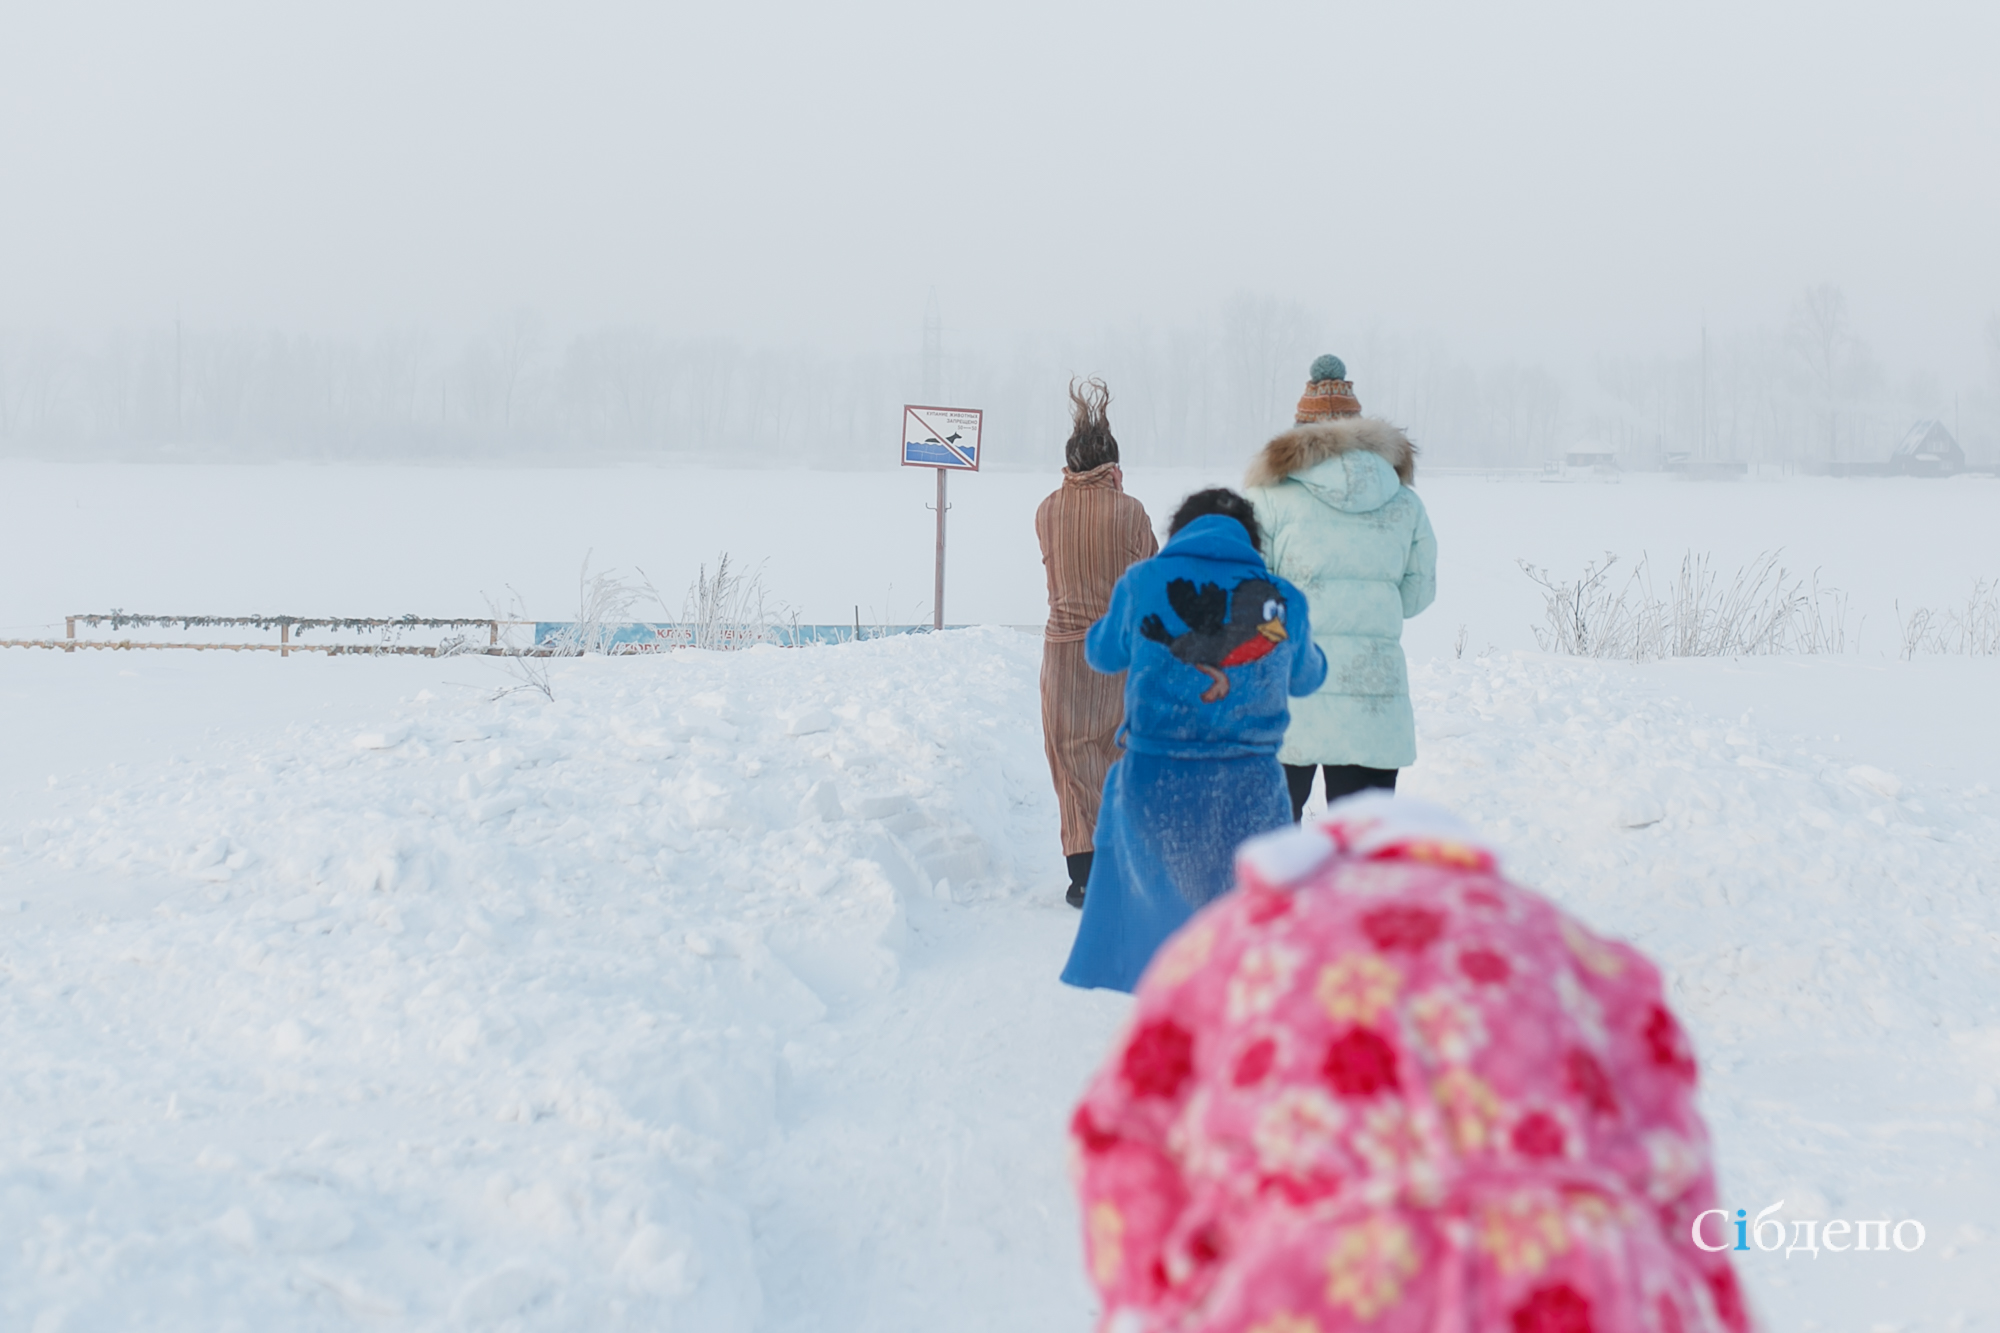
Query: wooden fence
{"x": 546, "y": 638}
{"x": 288, "y": 629}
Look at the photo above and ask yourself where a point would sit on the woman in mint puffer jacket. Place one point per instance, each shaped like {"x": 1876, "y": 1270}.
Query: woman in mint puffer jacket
{"x": 1340, "y": 521}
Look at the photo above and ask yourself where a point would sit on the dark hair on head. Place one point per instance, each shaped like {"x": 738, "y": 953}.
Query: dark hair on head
{"x": 1091, "y": 443}
{"x": 1218, "y": 500}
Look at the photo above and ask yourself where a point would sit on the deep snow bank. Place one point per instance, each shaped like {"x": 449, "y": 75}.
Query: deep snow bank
{"x": 583, "y": 1013}
{"x": 719, "y": 993}
{"x": 1829, "y": 930}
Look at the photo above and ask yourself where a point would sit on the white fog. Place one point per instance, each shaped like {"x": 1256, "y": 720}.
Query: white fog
{"x": 470, "y": 232}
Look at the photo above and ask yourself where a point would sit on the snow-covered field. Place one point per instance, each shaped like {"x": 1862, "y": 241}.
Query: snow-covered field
{"x": 718, "y": 992}
{"x": 709, "y": 995}
{"x": 367, "y": 541}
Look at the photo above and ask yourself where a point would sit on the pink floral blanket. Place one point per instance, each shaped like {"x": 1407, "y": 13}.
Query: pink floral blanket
{"x": 1380, "y": 1087}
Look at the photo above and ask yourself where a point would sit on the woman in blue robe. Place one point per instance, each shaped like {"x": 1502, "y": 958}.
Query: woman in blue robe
{"x": 1213, "y": 645}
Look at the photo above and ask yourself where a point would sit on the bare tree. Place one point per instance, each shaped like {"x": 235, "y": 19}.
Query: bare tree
{"x": 517, "y": 342}
{"x": 10, "y": 390}
{"x": 1524, "y": 412}
{"x": 1268, "y": 345}
{"x": 1820, "y": 339}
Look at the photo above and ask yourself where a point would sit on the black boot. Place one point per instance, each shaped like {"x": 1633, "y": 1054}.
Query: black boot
{"x": 1079, "y": 876}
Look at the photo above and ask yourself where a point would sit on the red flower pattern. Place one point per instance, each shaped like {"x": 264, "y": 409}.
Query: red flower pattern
{"x": 1205, "y": 1245}
{"x": 1668, "y": 1045}
{"x": 1359, "y": 1063}
{"x": 1558, "y": 1308}
{"x": 1299, "y": 1191}
{"x": 1484, "y": 966}
{"x": 1538, "y": 1134}
{"x": 1728, "y": 1299}
{"x": 1159, "y": 1059}
{"x": 1262, "y": 905}
{"x": 1410, "y": 928}
{"x": 1587, "y": 1080}
{"x": 1254, "y": 1063}
{"x": 1085, "y": 1131}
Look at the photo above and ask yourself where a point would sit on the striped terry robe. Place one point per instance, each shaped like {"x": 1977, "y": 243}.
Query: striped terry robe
{"x": 1091, "y": 532}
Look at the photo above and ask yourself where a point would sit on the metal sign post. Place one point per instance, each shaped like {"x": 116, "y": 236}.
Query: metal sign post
{"x": 945, "y": 438}
{"x": 937, "y": 594}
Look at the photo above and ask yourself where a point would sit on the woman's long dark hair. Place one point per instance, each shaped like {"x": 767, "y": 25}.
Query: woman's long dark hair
{"x": 1091, "y": 443}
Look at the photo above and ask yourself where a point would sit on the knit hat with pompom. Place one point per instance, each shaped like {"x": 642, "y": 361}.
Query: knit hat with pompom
{"x": 1329, "y": 393}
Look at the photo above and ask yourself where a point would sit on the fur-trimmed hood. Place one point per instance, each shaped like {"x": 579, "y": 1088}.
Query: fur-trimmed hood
{"x": 1302, "y": 448}
{"x": 1339, "y": 523}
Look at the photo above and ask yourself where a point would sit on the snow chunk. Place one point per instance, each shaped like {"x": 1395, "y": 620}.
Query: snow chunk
{"x": 301, "y": 908}
{"x": 238, "y": 1228}
{"x": 822, "y": 801}
{"x": 501, "y": 1294}
{"x": 1447, "y": 725}
{"x": 1640, "y": 809}
{"x": 492, "y": 807}
{"x": 716, "y": 810}
{"x": 387, "y": 738}
{"x": 656, "y": 1260}
{"x": 880, "y": 807}
{"x": 706, "y": 726}
{"x": 211, "y": 853}
{"x": 311, "y": 1222}
{"x": 962, "y": 861}
{"x": 1876, "y": 780}
{"x": 806, "y": 724}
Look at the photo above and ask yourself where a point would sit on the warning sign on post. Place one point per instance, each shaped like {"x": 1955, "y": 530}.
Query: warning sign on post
{"x": 941, "y": 437}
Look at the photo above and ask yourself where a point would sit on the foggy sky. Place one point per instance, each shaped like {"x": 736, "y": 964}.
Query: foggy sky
{"x": 1546, "y": 180}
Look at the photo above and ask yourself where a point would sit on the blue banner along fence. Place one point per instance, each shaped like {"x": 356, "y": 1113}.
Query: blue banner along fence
{"x": 643, "y": 637}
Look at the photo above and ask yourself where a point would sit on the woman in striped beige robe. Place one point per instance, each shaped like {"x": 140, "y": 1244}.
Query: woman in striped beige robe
{"x": 1091, "y": 532}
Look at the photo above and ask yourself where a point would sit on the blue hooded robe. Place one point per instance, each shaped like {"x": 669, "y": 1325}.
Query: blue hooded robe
{"x": 1212, "y": 644}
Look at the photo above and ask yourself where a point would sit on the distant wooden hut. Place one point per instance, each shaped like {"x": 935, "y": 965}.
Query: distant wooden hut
{"x": 1927, "y": 450}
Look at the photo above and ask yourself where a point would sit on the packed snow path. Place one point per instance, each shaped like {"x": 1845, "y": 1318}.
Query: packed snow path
{"x": 718, "y": 993}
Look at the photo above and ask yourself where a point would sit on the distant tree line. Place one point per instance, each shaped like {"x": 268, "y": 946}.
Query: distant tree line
{"x": 1204, "y": 393}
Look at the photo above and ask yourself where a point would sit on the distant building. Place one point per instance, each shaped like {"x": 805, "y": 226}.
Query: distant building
{"x": 1684, "y": 464}
{"x": 1591, "y": 458}
{"x": 1927, "y": 450}
{"x": 1585, "y": 464}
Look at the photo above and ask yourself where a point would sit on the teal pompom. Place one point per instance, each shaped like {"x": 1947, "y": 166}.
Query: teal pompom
{"x": 1329, "y": 368}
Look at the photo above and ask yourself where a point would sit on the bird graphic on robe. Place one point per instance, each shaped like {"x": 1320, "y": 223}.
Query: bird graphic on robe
{"x": 1224, "y": 629}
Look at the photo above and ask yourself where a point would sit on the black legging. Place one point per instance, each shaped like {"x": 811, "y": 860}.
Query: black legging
{"x": 1341, "y": 780}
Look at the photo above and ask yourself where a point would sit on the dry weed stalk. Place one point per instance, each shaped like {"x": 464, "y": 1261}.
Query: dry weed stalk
{"x": 1973, "y": 632}
{"x": 1763, "y": 609}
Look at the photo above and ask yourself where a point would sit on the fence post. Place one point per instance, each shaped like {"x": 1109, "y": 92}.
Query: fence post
{"x": 285, "y": 639}
{"x": 71, "y": 647}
